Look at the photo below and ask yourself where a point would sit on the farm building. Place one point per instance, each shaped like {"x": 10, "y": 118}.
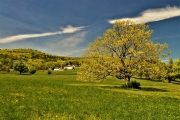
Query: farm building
{"x": 69, "y": 67}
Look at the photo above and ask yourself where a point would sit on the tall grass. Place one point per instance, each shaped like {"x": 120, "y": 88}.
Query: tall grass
{"x": 60, "y": 97}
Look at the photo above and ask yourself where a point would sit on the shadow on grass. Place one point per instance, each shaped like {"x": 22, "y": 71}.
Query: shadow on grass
{"x": 24, "y": 74}
{"x": 111, "y": 87}
{"x": 176, "y": 82}
{"x": 151, "y": 89}
{"x": 3, "y": 73}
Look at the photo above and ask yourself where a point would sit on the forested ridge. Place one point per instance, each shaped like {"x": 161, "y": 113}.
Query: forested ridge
{"x": 25, "y": 54}
{"x": 40, "y": 60}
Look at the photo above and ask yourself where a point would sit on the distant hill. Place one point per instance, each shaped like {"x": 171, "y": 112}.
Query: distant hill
{"x": 38, "y": 59}
{"x": 25, "y": 54}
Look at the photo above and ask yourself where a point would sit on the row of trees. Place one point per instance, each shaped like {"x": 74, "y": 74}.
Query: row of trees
{"x": 173, "y": 69}
{"x": 39, "y": 64}
{"x": 124, "y": 51}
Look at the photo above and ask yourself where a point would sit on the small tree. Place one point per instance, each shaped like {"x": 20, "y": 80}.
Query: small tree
{"x": 49, "y": 71}
{"x": 158, "y": 71}
{"x": 169, "y": 68}
{"x": 176, "y": 69}
{"x": 20, "y": 67}
{"x": 0, "y": 66}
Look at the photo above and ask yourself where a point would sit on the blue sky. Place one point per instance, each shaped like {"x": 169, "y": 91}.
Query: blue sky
{"x": 66, "y": 27}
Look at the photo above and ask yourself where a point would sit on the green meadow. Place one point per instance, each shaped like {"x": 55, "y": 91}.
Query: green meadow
{"x": 60, "y": 96}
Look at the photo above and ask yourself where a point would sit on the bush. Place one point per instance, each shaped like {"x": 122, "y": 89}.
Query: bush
{"x": 32, "y": 70}
{"x": 132, "y": 84}
{"x": 8, "y": 69}
{"x": 49, "y": 71}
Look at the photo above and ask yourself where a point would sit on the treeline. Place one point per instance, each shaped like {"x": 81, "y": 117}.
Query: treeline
{"x": 38, "y": 59}
{"x": 160, "y": 71}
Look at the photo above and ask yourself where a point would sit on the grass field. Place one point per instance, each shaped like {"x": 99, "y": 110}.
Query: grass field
{"x": 60, "y": 97}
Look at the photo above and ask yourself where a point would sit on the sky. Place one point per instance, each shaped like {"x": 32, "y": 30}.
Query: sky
{"x": 66, "y": 27}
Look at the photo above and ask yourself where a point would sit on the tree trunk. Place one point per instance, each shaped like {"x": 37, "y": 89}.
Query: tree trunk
{"x": 127, "y": 79}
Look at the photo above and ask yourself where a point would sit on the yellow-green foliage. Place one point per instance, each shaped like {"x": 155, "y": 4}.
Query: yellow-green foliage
{"x": 122, "y": 50}
{"x": 176, "y": 69}
{"x": 97, "y": 69}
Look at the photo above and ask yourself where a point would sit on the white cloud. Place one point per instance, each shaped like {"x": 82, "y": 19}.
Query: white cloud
{"x": 68, "y": 29}
{"x": 153, "y": 15}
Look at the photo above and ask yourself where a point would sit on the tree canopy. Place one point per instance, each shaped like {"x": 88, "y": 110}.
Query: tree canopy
{"x": 122, "y": 51}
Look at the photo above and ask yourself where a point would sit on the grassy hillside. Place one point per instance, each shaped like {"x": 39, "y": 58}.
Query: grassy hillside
{"x": 60, "y": 97}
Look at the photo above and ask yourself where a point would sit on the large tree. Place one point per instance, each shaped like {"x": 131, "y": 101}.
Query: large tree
{"x": 121, "y": 51}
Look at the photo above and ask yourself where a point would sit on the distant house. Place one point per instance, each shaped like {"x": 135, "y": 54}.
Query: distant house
{"x": 58, "y": 69}
{"x": 69, "y": 67}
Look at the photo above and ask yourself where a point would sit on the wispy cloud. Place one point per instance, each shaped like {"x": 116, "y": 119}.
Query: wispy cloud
{"x": 69, "y": 46}
{"x": 153, "y": 15}
{"x": 68, "y": 29}
{"x": 73, "y": 40}
{"x": 74, "y": 52}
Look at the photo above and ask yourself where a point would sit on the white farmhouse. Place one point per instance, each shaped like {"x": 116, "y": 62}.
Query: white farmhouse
{"x": 58, "y": 69}
{"x": 69, "y": 67}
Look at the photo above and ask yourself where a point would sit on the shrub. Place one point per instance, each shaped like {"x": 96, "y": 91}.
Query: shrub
{"x": 65, "y": 69}
{"x": 8, "y": 69}
{"x": 49, "y": 71}
{"x": 32, "y": 70}
{"x": 132, "y": 84}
